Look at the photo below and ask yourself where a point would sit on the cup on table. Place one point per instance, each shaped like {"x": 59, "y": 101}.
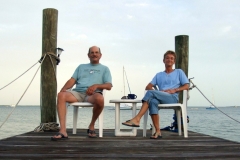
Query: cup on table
{"x": 132, "y": 96}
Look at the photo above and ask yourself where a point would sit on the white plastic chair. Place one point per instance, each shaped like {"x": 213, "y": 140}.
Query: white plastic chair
{"x": 179, "y": 108}
{"x": 76, "y": 105}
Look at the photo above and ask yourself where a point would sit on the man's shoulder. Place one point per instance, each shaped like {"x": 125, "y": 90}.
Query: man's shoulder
{"x": 83, "y": 65}
{"x": 103, "y": 66}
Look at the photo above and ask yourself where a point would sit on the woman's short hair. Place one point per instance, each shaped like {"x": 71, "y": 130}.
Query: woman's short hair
{"x": 170, "y": 52}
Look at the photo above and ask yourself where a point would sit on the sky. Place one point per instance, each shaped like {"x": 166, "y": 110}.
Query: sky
{"x": 131, "y": 33}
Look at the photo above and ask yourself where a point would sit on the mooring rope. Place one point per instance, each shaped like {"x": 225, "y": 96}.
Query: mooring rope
{"x": 211, "y": 102}
{"x": 23, "y": 93}
{"x": 18, "y": 76}
{"x": 57, "y": 58}
{"x": 44, "y": 126}
{"x": 51, "y": 126}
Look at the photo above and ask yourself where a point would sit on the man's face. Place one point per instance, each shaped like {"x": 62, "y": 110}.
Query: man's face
{"x": 94, "y": 55}
{"x": 169, "y": 60}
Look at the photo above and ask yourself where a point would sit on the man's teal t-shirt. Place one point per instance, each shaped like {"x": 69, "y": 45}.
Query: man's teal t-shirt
{"x": 89, "y": 74}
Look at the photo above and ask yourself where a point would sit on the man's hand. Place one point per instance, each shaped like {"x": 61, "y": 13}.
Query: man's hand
{"x": 91, "y": 89}
{"x": 63, "y": 90}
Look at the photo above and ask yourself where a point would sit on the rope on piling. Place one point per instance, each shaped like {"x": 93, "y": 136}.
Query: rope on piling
{"x": 40, "y": 61}
{"x": 57, "y": 59}
{"x": 51, "y": 126}
{"x": 211, "y": 102}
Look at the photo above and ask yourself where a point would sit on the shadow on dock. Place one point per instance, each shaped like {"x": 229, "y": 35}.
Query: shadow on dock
{"x": 37, "y": 145}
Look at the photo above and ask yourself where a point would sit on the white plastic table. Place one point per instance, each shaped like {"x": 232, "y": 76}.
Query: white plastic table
{"x": 117, "y": 115}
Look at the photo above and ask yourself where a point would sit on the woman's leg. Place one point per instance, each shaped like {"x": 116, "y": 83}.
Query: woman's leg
{"x": 136, "y": 120}
{"x": 153, "y": 111}
{"x": 159, "y": 98}
{"x": 156, "y": 124}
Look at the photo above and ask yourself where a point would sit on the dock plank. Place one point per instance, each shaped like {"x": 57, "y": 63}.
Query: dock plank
{"x": 37, "y": 145}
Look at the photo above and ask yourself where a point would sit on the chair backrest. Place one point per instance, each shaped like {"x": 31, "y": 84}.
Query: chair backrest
{"x": 104, "y": 92}
{"x": 185, "y": 97}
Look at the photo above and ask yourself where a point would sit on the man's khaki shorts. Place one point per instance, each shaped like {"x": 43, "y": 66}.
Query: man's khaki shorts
{"x": 80, "y": 96}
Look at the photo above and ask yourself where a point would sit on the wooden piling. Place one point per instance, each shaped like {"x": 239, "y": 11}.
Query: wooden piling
{"x": 182, "y": 51}
{"x": 48, "y": 70}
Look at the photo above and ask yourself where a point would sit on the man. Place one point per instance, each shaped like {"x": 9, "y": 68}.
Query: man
{"x": 169, "y": 82}
{"x": 90, "y": 80}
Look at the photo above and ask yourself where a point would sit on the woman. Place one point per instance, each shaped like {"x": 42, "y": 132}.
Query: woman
{"x": 169, "y": 82}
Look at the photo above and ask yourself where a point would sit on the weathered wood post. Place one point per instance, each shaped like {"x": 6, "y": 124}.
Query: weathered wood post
{"x": 48, "y": 70}
{"x": 182, "y": 50}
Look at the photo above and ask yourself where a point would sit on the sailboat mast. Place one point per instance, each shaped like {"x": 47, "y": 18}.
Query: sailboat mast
{"x": 123, "y": 83}
{"x": 127, "y": 81}
{"x": 213, "y": 97}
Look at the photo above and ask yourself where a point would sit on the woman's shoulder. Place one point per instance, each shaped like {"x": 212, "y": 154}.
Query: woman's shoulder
{"x": 179, "y": 70}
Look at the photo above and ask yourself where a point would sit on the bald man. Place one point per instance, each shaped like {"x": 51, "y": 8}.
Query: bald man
{"x": 90, "y": 80}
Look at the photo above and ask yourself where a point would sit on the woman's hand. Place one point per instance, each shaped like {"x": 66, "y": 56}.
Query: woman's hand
{"x": 171, "y": 91}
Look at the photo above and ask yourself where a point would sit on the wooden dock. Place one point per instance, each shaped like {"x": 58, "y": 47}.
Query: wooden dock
{"x": 37, "y": 145}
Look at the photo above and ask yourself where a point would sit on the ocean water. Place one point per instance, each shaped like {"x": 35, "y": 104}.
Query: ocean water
{"x": 202, "y": 120}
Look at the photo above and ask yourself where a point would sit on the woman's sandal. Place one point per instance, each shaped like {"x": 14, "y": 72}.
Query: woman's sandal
{"x": 91, "y": 133}
{"x": 155, "y": 136}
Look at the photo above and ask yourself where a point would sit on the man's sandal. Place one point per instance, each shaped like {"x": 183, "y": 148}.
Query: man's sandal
{"x": 60, "y": 138}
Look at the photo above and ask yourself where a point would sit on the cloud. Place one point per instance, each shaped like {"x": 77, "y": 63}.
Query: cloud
{"x": 129, "y": 16}
{"x": 137, "y": 4}
{"x": 143, "y": 4}
{"x": 82, "y": 36}
{"x": 226, "y": 29}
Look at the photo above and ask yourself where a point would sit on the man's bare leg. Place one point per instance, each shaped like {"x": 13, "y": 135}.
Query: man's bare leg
{"x": 98, "y": 104}
{"x": 63, "y": 98}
